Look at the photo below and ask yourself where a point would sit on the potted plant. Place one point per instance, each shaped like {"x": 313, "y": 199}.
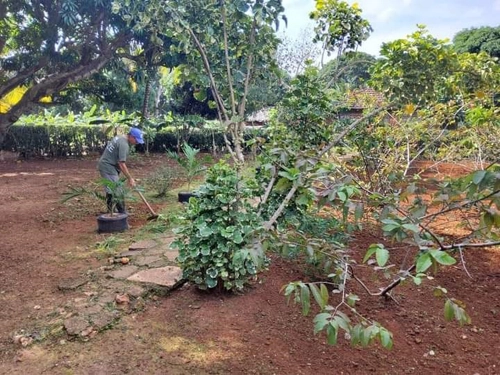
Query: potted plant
{"x": 111, "y": 221}
{"x": 192, "y": 167}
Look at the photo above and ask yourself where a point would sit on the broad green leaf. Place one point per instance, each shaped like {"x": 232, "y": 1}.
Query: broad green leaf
{"x": 342, "y": 196}
{"x": 331, "y": 334}
{"x": 317, "y": 296}
{"x": 382, "y": 256}
{"x": 385, "y": 338}
{"x": 390, "y": 227}
{"x": 442, "y": 257}
{"x": 367, "y": 335}
{"x": 372, "y": 250}
{"x": 356, "y": 333}
{"x": 369, "y": 253}
{"x": 320, "y": 321}
{"x": 424, "y": 261}
{"x": 478, "y": 176}
{"x": 325, "y": 295}
{"x": 342, "y": 323}
{"x": 305, "y": 299}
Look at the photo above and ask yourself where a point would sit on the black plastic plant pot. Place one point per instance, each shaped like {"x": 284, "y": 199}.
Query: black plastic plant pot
{"x": 183, "y": 196}
{"x": 107, "y": 223}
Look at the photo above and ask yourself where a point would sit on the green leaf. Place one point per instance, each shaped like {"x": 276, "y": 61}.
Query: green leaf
{"x": 356, "y": 333}
{"x": 205, "y": 231}
{"x": 237, "y": 237}
{"x": 382, "y": 256}
{"x": 305, "y": 299}
{"x": 386, "y": 338}
{"x": 342, "y": 323}
{"x": 424, "y": 261}
{"x": 317, "y": 296}
{"x": 320, "y": 321}
{"x": 331, "y": 334}
{"x": 411, "y": 227}
{"x": 442, "y": 257}
{"x": 324, "y": 293}
{"x": 478, "y": 176}
{"x": 449, "y": 314}
{"x": 342, "y": 196}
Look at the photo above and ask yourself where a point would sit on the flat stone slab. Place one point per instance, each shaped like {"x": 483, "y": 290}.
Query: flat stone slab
{"x": 153, "y": 251}
{"x": 171, "y": 255}
{"x": 72, "y": 284}
{"x": 146, "y": 260}
{"x": 75, "y": 325}
{"x": 103, "y": 319}
{"x": 136, "y": 291}
{"x": 144, "y": 244}
{"x": 128, "y": 254}
{"x": 166, "y": 240}
{"x": 165, "y": 276}
{"x": 123, "y": 272}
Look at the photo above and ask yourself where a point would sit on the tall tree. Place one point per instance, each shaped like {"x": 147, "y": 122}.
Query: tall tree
{"x": 47, "y": 45}
{"x": 415, "y": 69}
{"x": 339, "y": 26}
{"x": 352, "y": 68}
{"x": 475, "y": 40}
{"x": 226, "y": 41}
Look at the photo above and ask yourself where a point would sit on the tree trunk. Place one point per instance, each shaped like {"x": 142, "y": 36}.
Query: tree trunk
{"x": 158, "y": 98}
{"x": 145, "y": 102}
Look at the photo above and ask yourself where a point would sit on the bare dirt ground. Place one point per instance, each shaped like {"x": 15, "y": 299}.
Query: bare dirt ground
{"x": 189, "y": 332}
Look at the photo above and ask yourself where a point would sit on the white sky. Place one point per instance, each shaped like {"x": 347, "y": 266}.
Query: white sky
{"x": 395, "y": 19}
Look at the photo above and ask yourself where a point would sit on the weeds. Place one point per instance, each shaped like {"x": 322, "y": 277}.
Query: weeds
{"x": 108, "y": 246}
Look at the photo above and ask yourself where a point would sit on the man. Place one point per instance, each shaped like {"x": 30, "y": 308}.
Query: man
{"x": 113, "y": 162}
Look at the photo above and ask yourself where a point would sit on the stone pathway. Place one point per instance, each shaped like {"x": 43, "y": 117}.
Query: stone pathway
{"x": 107, "y": 293}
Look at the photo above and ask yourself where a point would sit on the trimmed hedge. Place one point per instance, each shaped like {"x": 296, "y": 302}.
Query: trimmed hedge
{"x": 33, "y": 140}
{"x": 54, "y": 140}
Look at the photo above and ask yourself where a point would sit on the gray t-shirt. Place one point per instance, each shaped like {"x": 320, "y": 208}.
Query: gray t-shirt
{"x": 116, "y": 151}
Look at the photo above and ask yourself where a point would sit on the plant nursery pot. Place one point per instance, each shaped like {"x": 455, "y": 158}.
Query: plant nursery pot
{"x": 183, "y": 196}
{"x": 107, "y": 223}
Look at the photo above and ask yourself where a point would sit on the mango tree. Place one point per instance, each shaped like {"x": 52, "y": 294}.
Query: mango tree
{"x": 45, "y": 46}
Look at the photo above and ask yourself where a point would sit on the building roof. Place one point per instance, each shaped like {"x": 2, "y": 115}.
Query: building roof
{"x": 358, "y": 99}
{"x": 262, "y": 115}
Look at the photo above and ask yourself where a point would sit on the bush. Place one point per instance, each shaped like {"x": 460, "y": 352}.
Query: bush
{"x": 216, "y": 243}
{"x": 162, "y": 180}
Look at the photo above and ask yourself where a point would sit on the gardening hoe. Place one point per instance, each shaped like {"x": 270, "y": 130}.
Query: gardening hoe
{"x": 154, "y": 215}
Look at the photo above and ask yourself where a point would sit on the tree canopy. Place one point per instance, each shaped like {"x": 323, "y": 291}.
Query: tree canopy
{"x": 352, "y": 68}
{"x": 481, "y": 39}
{"x": 48, "y": 45}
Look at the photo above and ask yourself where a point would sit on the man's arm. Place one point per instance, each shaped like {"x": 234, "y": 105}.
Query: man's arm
{"x": 126, "y": 173}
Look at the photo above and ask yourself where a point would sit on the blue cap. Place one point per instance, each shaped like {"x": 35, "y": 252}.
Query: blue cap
{"x": 137, "y": 134}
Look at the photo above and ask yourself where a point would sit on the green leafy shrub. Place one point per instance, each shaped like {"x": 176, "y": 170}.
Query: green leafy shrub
{"x": 161, "y": 180}
{"x": 217, "y": 244}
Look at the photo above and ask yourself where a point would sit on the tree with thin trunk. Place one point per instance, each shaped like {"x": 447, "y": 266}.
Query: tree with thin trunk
{"x": 227, "y": 41}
